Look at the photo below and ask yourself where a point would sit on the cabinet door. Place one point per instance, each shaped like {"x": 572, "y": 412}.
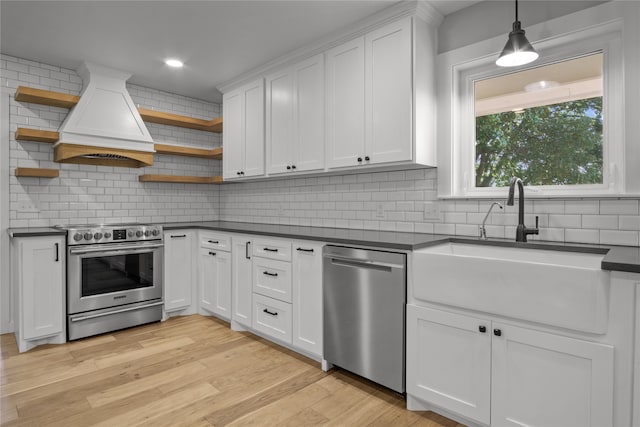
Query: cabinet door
{"x": 345, "y": 104}
{"x": 308, "y": 107}
{"x": 388, "y": 83}
{"x": 279, "y": 129}
{"x": 42, "y": 286}
{"x": 542, "y": 379}
{"x": 307, "y": 296}
{"x": 449, "y": 361}
{"x": 215, "y": 282}
{"x": 178, "y": 269}
{"x": 241, "y": 280}
{"x": 253, "y": 107}
{"x": 232, "y": 140}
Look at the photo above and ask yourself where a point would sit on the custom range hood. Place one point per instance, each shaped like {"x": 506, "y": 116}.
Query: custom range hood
{"x": 104, "y": 127}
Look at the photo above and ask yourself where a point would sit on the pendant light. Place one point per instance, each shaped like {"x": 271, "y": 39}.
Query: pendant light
{"x": 518, "y": 50}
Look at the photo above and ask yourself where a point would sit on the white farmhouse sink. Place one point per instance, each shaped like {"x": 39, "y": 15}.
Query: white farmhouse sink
{"x": 554, "y": 287}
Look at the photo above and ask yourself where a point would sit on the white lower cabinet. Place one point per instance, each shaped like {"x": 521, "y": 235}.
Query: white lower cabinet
{"x": 505, "y": 375}
{"x": 241, "y": 280}
{"x": 307, "y": 296}
{"x": 215, "y": 281}
{"x": 179, "y": 269}
{"x": 38, "y": 277}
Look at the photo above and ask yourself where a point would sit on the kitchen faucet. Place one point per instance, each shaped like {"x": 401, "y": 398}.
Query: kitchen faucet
{"x": 522, "y": 231}
{"x": 483, "y": 230}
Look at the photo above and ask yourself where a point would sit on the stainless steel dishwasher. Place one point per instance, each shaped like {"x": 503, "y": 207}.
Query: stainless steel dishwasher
{"x": 364, "y": 297}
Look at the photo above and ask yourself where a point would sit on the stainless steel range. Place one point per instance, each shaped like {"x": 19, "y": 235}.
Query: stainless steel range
{"x": 114, "y": 277}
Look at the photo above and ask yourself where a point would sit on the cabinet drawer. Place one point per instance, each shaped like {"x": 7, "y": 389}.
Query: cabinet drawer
{"x": 272, "y": 248}
{"x": 272, "y": 317}
{"x": 217, "y": 241}
{"x": 272, "y": 278}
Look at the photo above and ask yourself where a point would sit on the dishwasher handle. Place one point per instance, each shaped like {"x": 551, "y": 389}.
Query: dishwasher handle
{"x": 363, "y": 263}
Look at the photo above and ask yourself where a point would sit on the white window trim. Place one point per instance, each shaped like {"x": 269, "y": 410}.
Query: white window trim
{"x": 592, "y": 30}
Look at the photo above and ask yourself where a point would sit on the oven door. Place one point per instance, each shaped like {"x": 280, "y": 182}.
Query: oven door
{"x": 102, "y": 276}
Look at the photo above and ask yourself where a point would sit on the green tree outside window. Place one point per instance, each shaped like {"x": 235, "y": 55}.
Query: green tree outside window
{"x": 558, "y": 144}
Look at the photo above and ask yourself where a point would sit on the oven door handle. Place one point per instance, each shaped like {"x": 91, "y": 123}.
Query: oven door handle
{"x": 122, "y": 310}
{"x": 79, "y": 251}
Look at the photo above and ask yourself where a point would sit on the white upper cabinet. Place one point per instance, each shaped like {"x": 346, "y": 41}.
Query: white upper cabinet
{"x": 345, "y": 104}
{"x": 388, "y": 94}
{"x": 368, "y": 102}
{"x": 243, "y": 136}
{"x": 295, "y": 117}
{"x": 370, "y": 98}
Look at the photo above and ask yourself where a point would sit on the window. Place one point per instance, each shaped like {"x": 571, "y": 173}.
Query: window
{"x": 561, "y": 124}
{"x": 543, "y": 125}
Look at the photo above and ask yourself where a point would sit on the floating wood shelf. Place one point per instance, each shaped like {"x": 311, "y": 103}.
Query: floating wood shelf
{"x": 38, "y": 172}
{"x": 181, "y": 179}
{"x": 46, "y": 97}
{"x": 215, "y": 153}
{"x": 64, "y": 100}
{"x": 171, "y": 119}
{"x": 26, "y": 134}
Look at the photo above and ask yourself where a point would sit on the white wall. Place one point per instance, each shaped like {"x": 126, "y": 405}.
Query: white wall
{"x": 94, "y": 194}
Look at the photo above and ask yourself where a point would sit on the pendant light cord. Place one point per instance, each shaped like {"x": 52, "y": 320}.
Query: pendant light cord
{"x": 516, "y": 10}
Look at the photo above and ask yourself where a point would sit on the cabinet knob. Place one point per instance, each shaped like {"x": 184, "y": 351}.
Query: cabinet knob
{"x": 482, "y": 328}
{"x": 366, "y": 158}
{"x": 241, "y": 172}
{"x": 293, "y": 166}
{"x": 238, "y": 173}
{"x": 497, "y": 332}
{"x": 359, "y": 159}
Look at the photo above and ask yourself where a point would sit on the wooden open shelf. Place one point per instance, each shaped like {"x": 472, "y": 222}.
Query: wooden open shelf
{"x": 171, "y": 119}
{"x": 64, "y": 100}
{"x": 181, "y": 179}
{"x": 215, "y": 153}
{"x": 38, "y": 172}
{"x": 26, "y": 134}
{"x": 46, "y": 97}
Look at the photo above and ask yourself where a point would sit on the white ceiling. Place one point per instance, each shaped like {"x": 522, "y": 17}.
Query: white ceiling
{"x": 217, "y": 40}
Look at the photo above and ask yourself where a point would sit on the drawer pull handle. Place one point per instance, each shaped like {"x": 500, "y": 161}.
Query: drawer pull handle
{"x": 272, "y": 313}
{"x": 213, "y": 241}
{"x": 304, "y": 250}
{"x": 212, "y": 253}
{"x": 178, "y": 235}
{"x": 497, "y": 332}
{"x": 266, "y": 273}
{"x": 270, "y": 250}
{"x": 57, "y": 252}
{"x": 482, "y": 328}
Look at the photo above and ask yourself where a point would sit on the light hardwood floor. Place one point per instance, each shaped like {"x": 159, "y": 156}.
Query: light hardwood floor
{"x": 187, "y": 371}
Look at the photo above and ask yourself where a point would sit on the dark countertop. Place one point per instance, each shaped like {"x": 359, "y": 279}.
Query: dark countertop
{"x": 617, "y": 258}
{"x": 36, "y": 231}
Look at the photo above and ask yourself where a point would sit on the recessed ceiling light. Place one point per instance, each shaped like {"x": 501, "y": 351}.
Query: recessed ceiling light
{"x": 175, "y": 63}
{"x": 541, "y": 85}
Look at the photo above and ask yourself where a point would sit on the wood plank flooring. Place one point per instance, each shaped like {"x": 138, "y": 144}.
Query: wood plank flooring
{"x": 187, "y": 371}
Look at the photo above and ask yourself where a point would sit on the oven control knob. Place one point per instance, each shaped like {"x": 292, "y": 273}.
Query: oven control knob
{"x": 107, "y": 235}
{"x": 88, "y": 236}
{"x": 130, "y": 233}
{"x": 139, "y": 233}
{"x": 147, "y": 233}
{"x": 97, "y": 236}
{"x": 77, "y": 237}
{"x": 155, "y": 232}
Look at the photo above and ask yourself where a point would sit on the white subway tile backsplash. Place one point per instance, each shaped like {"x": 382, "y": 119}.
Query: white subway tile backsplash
{"x": 86, "y": 193}
{"x": 615, "y": 237}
